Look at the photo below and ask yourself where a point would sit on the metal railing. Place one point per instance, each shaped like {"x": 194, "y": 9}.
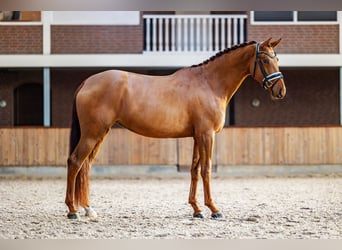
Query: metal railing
{"x": 193, "y": 33}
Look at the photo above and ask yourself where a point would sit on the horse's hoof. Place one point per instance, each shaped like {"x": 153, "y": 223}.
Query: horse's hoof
{"x": 216, "y": 215}
{"x": 199, "y": 215}
{"x": 90, "y": 213}
{"x": 73, "y": 216}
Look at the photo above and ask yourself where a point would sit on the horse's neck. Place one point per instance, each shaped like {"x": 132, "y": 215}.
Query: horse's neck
{"x": 226, "y": 73}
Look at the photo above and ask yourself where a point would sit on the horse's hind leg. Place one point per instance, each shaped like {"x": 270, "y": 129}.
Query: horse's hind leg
{"x": 82, "y": 188}
{"x": 75, "y": 162}
{"x": 78, "y": 172}
{"x": 89, "y": 211}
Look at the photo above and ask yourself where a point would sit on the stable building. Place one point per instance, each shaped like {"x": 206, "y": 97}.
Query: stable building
{"x": 45, "y": 55}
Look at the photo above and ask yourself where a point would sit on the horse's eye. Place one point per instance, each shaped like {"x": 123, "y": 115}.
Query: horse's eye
{"x": 265, "y": 61}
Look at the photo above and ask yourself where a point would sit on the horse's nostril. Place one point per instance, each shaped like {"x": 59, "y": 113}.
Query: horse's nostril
{"x": 281, "y": 93}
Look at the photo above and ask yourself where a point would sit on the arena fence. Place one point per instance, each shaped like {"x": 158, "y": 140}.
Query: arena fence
{"x": 38, "y": 146}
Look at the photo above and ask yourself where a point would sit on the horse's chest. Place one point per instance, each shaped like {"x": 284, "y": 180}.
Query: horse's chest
{"x": 219, "y": 121}
{"x": 213, "y": 116}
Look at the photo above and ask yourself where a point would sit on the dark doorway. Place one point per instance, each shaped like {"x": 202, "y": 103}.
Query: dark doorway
{"x": 28, "y": 105}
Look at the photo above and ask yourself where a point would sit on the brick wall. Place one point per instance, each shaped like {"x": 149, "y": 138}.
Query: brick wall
{"x": 72, "y": 39}
{"x": 96, "y": 39}
{"x": 298, "y": 38}
{"x": 21, "y": 39}
{"x": 312, "y": 99}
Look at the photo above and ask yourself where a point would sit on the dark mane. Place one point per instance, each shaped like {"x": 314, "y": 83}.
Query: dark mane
{"x": 223, "y": 52}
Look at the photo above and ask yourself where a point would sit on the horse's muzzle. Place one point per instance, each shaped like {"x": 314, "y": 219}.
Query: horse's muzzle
{"x": 278, "y": 90}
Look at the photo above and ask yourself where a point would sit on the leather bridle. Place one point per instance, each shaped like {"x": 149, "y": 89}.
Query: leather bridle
{"x": 268, "y": 78}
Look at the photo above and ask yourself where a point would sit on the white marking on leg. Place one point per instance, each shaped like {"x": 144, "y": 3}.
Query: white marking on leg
{"x": 89, "y": 212}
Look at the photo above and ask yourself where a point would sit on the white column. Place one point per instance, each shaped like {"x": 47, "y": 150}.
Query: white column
{"x": 148, "y": 34}
{"x": 198, "y": 35}
{"x": 173, "y": 34}
{"x": 204, "y": 35}
{"x": 210, "y": 34}
{"x": 46, "y": 19}
{"x": 339, "y": 19}
{"x": 217, "y": 42}
{"x": 242, "y": 30}
{"x": 192, "y": 39}
{"x": 235, "y": 35}
{"x": 186, "y": 34}
{"x": 154, "y": 34}
{"x": 167, "y": 44}
{"x": 160, "y": 30}
{"x": 229, "y": 32}
{"x": 223, "y": 33}
{"x": 179, "y": 34}
{"x": 46, "y": 97}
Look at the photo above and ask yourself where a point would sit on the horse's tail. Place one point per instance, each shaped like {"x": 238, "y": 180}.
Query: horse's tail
{"x": 82, "y": 178}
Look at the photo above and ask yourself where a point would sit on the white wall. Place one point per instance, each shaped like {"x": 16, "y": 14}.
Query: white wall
{"x": 95, "y": 17}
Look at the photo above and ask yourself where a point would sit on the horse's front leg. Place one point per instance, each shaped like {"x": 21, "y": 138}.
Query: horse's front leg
{"x": 195, "y": 175}
{"x": 206, "y": 143}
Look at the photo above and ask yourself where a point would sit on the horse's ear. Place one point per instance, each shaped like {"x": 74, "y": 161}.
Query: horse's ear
{"x": 266, "y": 43}
{"x": 275, "y": 43}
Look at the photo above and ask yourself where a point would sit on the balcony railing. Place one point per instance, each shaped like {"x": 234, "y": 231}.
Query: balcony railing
{"x": 193, "y": 33}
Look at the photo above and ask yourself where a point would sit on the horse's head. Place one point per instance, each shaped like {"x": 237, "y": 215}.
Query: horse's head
{"x": 265, "y": 69}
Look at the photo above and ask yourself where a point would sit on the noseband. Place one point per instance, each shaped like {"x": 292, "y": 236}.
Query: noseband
{"x": 267, "y": 81}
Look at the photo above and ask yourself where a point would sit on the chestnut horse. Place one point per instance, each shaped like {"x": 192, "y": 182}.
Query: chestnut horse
{"x": 188, "y": 103}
